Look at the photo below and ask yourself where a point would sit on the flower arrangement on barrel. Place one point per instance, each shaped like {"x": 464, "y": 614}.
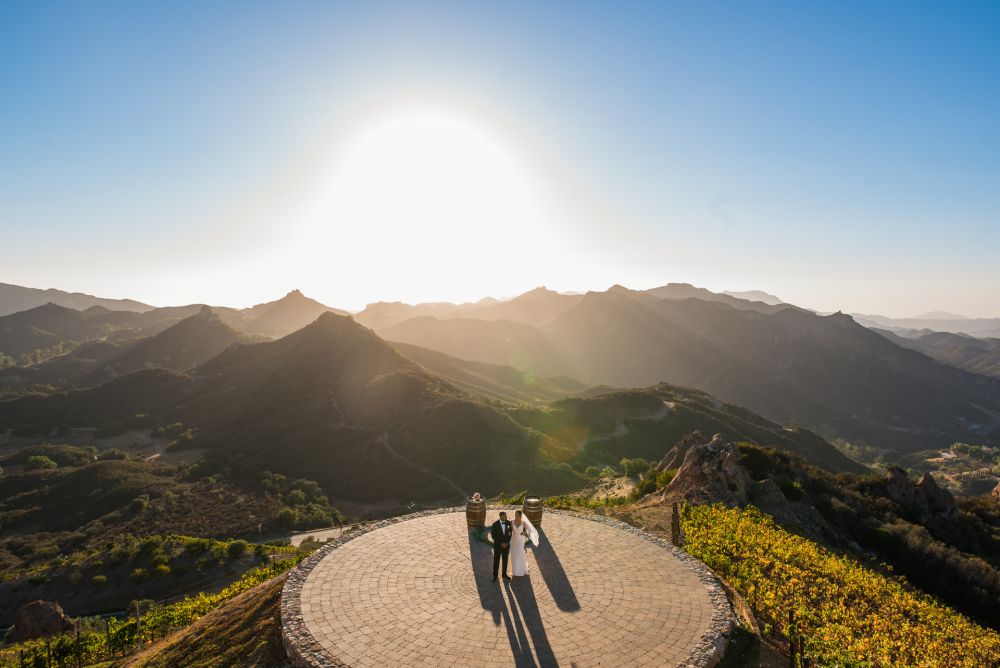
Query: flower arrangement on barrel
{"x": 475, "y": 514}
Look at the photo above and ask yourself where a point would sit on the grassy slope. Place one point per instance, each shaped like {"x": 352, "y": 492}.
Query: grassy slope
{"x": 244, "y": 632}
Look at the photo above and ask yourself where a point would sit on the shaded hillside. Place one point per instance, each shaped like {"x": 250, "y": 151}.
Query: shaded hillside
{"x": 14, "y": 298}
{"x": 331, "y": 402}
{"x": 966, "y": 352}
{"x": 51, "y": 326}
{"x": 60, "y": 372}
{"x": 827, "y": 373}
{"x": 187, "y": 344}
{"x": 492, "y": 341}
{"x": 605, "y": 428}
{"x": 284, "y": 316}
{"x": 182, "y": 345}
{"x": 492, "y": 381}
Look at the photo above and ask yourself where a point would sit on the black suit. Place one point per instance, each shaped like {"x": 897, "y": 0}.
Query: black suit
{"x": 501, "y": 536}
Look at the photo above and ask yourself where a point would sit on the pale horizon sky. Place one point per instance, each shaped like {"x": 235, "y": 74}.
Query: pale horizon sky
{"x": 843, "y": 157}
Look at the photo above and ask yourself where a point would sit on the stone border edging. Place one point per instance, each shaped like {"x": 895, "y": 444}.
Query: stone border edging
{"x": 304, "y": 651}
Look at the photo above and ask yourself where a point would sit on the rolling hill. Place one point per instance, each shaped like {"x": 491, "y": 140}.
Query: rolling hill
{"x": 15, "y": 298}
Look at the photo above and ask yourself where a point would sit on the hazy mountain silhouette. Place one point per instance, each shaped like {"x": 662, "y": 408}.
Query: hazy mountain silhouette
{"x": 956, "y": 324}
{"x": 973, "y": 354}
{"x": 14, "y": 298}
{"x": 283, "y": 316}
{"x": 756, "y": 296}
{"x": 678, "y": 291}
{"x": 531, "y": 307}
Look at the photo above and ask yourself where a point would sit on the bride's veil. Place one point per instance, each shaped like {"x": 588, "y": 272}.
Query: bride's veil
{"x": 532, "y": 531}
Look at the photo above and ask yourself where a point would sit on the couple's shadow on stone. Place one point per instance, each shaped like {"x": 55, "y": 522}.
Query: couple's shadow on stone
{"x": 514, "y": 603}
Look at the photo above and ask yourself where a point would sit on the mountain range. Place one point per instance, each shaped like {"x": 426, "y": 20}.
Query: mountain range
{"x": 828, "y": 373}
{"x": 336, "y": 403}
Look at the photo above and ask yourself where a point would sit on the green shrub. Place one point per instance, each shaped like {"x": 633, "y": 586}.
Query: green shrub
{"x": 634, "y": 467}
{"x": 139, "y": 504}
{"x": 161, "y": 570}
{"x": 138, "y": 575}
{"x": 198, "y": 545}
{"x": 237, "y": 548}
{"x": 99, "y": 579}
{"x": 792, "y": 490}
{"x": 286, "y": 517}
{"x": 38, "y": 462}
{"x": 113, "y": 454}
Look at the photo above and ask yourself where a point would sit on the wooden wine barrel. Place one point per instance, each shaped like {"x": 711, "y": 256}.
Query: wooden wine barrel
{"x": 475, "y": 513}
{"x": 533, "y": 510}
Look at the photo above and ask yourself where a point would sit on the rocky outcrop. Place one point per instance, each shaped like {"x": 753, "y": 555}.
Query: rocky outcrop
{"x": 675, "y": 456}
{"x": 40, "y": 619}
{"x": 926, "y": 496}
{"x": 900, "y": 488}
{"x": 996, "y": 492}
{"x": 938, "y": 500}
{"x": 711, "y": 472}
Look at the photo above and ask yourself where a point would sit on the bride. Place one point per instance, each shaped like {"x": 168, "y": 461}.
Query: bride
{"x": 523, "y": 532}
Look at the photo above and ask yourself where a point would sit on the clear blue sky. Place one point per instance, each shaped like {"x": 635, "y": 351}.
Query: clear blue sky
{"x": 842, "y": 155}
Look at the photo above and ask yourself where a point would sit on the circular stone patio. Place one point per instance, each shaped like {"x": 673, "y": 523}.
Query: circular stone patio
{"x": 417, "y": 591}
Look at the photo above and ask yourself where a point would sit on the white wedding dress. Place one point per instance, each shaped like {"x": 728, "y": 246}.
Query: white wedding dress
{"x": 518, "y": 556}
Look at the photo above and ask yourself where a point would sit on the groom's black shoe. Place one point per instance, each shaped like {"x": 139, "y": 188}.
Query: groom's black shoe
{"x": 506, "y": 577}
{"x": 494, "y": 578}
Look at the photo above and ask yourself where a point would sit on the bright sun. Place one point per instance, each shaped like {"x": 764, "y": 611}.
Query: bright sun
{"x": 439, "y": 184}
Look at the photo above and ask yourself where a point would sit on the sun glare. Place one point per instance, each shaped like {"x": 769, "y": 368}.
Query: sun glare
{"x": 434, "y": 189}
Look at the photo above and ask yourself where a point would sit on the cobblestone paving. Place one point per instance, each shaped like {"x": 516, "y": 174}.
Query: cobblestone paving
{"x": 419, "y": 593}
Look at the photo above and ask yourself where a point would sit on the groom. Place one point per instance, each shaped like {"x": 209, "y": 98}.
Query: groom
{"x": 501, "y": 532}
